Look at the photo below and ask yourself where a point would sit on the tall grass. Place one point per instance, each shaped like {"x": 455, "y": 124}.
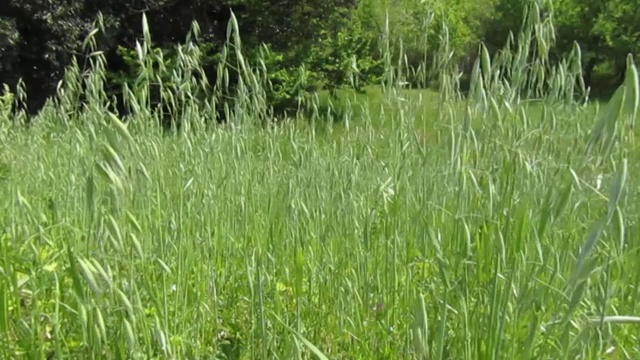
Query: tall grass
{"x": 462, "y": 226}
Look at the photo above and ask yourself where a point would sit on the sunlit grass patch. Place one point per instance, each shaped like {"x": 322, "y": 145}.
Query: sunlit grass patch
{"x": 401, "y": 223}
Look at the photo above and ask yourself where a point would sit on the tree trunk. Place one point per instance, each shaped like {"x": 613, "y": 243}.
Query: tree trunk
{"x": 588, "y": 71}
{"x": 621, "y": 70}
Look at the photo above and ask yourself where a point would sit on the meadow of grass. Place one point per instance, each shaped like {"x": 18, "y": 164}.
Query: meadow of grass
{"x": 406, "y": 224}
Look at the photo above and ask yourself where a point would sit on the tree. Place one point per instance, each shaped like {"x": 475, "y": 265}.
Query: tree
{"x": 576, "y": 22}
{"x": 9, "y": 38}
{"x": 619, "y": 25}
{"x": 50, "y": 32}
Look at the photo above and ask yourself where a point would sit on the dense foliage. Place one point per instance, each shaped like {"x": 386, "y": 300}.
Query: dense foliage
{"x": 329, "y": 43}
